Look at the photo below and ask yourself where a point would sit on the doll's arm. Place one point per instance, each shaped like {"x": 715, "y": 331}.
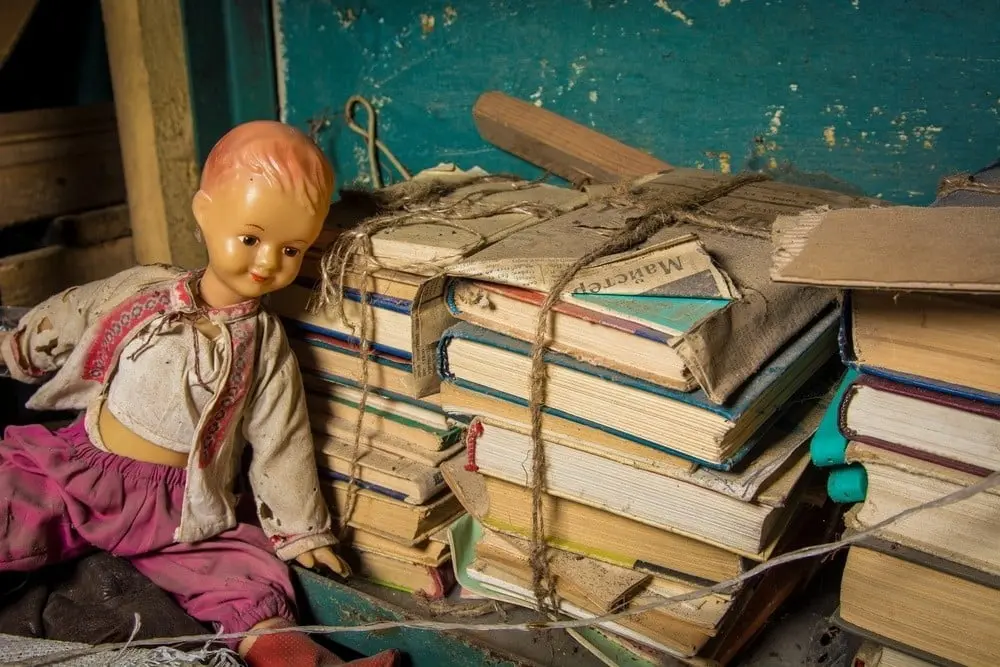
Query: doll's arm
{"x": 47, "y": 333}
{"x": 283, "y": 472}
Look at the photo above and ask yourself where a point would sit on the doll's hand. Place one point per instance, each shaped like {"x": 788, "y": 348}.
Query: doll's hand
{"x": 324, "y": 556}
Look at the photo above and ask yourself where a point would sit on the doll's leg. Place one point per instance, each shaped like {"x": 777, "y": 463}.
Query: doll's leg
{"x": 235, "y": 581}
{"x": 35, "y": 525}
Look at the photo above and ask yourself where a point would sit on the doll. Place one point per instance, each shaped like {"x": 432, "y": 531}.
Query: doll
{"x": 174, "y": 373}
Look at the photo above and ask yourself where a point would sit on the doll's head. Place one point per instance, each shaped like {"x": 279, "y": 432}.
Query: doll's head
{"x": 265, "y": 192}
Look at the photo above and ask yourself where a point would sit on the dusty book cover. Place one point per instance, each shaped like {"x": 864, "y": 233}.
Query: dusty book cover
{"x": 939, "y": 249}
{"x": 527, "y": 234}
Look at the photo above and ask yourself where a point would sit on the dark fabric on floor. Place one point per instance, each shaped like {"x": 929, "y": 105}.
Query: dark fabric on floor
{"x": 91, "y": 600}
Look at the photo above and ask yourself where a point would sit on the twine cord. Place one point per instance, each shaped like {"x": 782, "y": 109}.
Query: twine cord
{"x": 372, "y": 143}
{"x": 816, "y": 551}
{"x": 636, "y": 232}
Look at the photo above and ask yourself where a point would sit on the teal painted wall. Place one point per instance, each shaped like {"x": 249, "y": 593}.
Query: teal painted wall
{"x": 882, "y": 97}
{"x": 231, "y": 63}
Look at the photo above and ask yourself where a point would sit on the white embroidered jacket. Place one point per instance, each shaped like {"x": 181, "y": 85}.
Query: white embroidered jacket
{"x": 71, "y": 343}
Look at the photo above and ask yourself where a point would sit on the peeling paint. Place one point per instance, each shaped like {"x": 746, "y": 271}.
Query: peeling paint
{"x": 928, "y": 133}
{"x": 347, "y": 17}
{"x": 830, "y": 136}
{"x": 577, "y": 67}
{"x": 426, "y": 23}
{"x": 794, "y": 87}
{"x": 724, "y": 158}
{"x": 676, "y": 13}
{"x": 536, "y": 97}
{"x": 361, "y": 161}
{"x": 592, "y": 95}
{"x": 774, "y": 126}
{"x": 450, "y": 15}
{"x": 724, "y": 3}
{"x": 725, "y": 165}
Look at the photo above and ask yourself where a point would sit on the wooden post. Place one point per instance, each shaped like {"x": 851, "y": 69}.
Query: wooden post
{"x": 149, "y": 75}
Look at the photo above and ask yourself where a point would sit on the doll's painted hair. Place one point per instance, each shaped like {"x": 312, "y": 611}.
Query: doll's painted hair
{"x": 285, "y": 157}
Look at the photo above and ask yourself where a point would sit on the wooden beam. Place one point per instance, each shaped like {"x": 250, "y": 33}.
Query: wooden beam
{"x": 29, "y": 278}
{"x": 90, "y": 228}
{"x": 557, "y": 144}
{"x": 55, "y": 161}
{"x": 150, "y": 79}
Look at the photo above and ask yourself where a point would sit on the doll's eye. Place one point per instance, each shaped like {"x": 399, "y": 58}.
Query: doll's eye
{"x": 291, "y": 252}
{"x": 248, "y": 240}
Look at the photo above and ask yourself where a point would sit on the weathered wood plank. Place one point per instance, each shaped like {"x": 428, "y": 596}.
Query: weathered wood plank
{"x": 29, "y": 278}
{"x": 149, "y": 75}
{"x": 93, "y": 227}
{"x": 557, "y": 144}
{"x": 54, "y": 161}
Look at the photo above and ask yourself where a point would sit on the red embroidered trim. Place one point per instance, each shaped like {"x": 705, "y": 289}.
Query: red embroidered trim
{"x": 244, "y": 341}
{"x": 471, "y": 436}
{"x": 24, "y": 364}
{"x": 185, "y": 296}
{"x": 116, "y": 325}
{"x": 278, "y": 540}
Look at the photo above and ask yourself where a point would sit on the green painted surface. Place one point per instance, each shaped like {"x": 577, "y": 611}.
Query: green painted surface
{"x": 881, "y": 96}
{"x": 233, "y": 79}
{"x": 329, "y": 603}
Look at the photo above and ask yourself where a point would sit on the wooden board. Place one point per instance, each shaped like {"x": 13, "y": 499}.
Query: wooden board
{"x": 557, "y": 144}
{"x": 146, "y": 51}
{"x": 93, "y": 227}
{"x": 55, "y": 161}
{"x": 29, "y": 278}
{"x": 323, "y": 600}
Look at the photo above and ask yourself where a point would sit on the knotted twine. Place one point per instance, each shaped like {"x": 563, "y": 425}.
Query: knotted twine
{"x": 655, "y": 217}
{"x": 965, "y": 181}
{"x": 410, "y": 205}
{"x": 404, "y": 205}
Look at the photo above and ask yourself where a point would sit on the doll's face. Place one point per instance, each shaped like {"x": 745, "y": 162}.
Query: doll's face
{"x": 255, "y": 233}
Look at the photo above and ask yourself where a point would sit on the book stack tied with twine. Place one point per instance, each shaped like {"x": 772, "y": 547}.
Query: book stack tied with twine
{"x": 917, "y": 417}
{"x": 636, "y": 394}
{"x": 367, "y": 345}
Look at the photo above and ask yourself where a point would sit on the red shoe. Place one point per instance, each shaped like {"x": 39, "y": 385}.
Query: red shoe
{"x": 294, "y": 649}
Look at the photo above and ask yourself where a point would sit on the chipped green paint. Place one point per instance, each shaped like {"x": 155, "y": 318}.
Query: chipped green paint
{"x": 330, "y": 603}
{"x": 881, "y": 97}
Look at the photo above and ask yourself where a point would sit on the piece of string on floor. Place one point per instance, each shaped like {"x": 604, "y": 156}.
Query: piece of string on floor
{"x": 816, "y": 551}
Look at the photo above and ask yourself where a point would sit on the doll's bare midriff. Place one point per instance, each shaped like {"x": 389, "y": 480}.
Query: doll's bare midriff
{"x": 118, "y": 439}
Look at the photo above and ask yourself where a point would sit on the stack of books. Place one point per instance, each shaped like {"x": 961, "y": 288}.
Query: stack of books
{"x": 683, "y": 386}
{"x": 921, "y": 417}
{"x": 390, "y": 487}
{"x": 651, "y": 490}
{"x": 400, "y": 500}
